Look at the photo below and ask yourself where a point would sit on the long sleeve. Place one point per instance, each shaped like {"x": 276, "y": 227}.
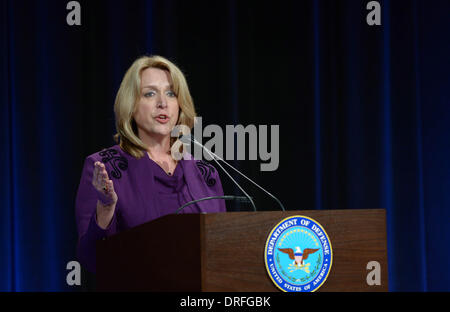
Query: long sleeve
{"x": 85, "y": 209}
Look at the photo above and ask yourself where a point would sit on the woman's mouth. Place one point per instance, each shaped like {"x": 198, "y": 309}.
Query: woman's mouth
{"x": 162, "y": 118}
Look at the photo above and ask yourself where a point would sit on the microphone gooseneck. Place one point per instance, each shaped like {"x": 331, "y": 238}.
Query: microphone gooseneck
{"x": 225, "y": 197}
{"x": 188, "y": 139}
{"x": 215, "y": 157}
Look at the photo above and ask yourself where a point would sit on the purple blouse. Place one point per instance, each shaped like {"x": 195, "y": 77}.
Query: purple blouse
{"x": 145, "y": 192}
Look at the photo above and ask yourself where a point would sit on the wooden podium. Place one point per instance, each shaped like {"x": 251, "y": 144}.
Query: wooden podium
{"x": 225, "y": 252}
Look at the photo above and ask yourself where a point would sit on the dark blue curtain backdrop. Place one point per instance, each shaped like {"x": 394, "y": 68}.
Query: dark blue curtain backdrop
{"x": 364, "y": 114}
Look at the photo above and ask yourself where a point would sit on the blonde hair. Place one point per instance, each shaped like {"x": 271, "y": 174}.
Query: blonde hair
{"x": 129, "y": 93}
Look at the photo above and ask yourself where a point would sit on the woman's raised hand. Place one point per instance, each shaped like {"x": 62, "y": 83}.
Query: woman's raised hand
{"x": 104, "y": 187}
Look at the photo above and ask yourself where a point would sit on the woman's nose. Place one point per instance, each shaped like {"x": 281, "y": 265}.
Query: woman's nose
{"x": 162, "y": 103}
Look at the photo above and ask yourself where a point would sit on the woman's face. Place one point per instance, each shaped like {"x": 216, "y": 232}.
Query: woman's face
{"x": 157, "y": 108}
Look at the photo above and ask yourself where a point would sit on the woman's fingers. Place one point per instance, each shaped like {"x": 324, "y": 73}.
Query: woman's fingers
{"x": 100, "y": 176}
{"x": 109, "y": 186}
{"x": 103, "y": 185}
{"x": 104, "y": 178}
{"x": 95, "y": 175}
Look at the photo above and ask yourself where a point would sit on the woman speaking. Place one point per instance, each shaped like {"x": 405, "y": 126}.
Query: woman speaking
{"x": 138, "y": 180}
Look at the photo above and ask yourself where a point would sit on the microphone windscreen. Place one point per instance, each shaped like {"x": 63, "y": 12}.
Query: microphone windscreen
{"x": 185, "y": 139}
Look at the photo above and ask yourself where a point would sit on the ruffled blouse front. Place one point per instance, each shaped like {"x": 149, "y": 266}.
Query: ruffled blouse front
{"x": 172, "y": 189}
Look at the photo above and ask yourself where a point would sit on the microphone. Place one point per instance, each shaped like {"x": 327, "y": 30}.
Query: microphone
{"x": 188, "y": 139}
{"x": 242, "y": 199}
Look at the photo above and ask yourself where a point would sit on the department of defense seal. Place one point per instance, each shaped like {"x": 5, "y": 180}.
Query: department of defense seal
{"x": 298, "y": 254}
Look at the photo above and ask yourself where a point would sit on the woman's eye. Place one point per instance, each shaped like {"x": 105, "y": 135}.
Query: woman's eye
{"x": 149, "y": 94}
{"x": 171, "y": 94}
